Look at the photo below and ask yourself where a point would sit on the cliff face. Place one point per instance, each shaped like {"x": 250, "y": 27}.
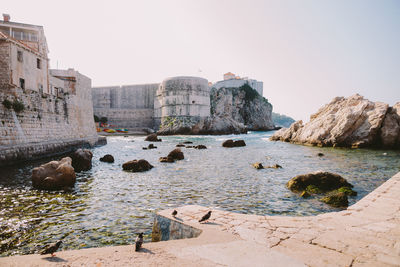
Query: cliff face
{"x": 233, "y": 111}
{"x": 243, "y": 105}
{"x": 348, "y": 122}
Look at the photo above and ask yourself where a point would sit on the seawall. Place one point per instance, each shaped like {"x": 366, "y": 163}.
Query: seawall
{"x": 365, "y": 234}
{"x": 46, "y": 124}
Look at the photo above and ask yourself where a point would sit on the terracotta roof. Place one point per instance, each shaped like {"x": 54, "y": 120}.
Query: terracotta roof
{"x": 229, "y": 73}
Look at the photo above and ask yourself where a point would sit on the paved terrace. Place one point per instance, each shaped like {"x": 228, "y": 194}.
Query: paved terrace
{"x": 366, "y": 234}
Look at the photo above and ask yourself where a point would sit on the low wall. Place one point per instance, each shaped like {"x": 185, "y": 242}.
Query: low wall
{"x": 166, "y": 229}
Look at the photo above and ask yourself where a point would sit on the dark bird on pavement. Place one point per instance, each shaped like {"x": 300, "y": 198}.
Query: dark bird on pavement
{"x": 139, "y": 241}
{"x": 50, "y": 249}
{"x": 205, "y": 217}
{"x": 174, "y": 213}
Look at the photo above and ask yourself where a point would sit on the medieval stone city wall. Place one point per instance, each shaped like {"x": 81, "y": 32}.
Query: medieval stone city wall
{"x": 127, "y": 106}
{"x": 47, "y": 125}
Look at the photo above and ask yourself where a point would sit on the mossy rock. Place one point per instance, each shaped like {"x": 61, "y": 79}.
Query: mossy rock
{"x": 347, "y": 190}
{"x": 312, "y": 189}
{"x": 336, "y": 199}
{"x": 324, "y": 181}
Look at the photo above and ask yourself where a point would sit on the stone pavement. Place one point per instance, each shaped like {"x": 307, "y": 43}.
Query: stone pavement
{"x": 366, "y": 234}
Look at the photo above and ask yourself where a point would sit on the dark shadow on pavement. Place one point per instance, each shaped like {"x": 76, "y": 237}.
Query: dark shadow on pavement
{"x": 145, "y": 250}
{"x": 54, "y": 259}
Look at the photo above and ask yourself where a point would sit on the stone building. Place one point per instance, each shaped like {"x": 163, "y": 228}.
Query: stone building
{"x": 42, "y": 111}
{"x": 233, "y": 81}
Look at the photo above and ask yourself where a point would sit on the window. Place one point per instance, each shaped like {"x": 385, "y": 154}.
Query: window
{"x": 38, "y": 63}
{"x": 193, "y": 102}
{"x": 22, "y": 83}
{"x": 19, "y": 56}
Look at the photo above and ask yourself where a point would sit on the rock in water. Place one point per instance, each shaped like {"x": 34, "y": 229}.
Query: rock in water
{"x": 324, "y": 181}
{"x": 107, "y": 158}
{"x": 54, "y": 175}
{"x": 166, "y": 159}
{"x": 231, "y": 143}
{"x": 258, "y": 166}
{"x": 347, "y": 122}
{"x": 336, "y": 199}
{"x": 200, "y": 147}
{"x": 140, "y": 165}
{"x": 152, "y": 138}
{"x": 82, "y": 160}
{"x": 176, "y": 154}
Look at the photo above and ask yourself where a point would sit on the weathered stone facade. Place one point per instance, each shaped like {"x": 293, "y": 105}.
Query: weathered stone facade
{"x": 182, "y": 98}
{"x": 128, "y": 106}
{"x": 38, "y": 119}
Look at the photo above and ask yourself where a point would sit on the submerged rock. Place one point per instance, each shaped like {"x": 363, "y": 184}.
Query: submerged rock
{"x": 167, "y": 159}
{"x": 323, "y": 181}
{"x": 275, "y": 166}
{"x": 231, "y": 143}
{"x": 140, "y": 165}
{"x": 258, "y": 166}
{"x": 82, "y": 160}
{"x": 54, "y": 175}
{"x": 176, "y": 154}
{"x": 107, "y": 158}
{"x": 150, "y": 146}
{"x": 180, "y": 145}
{"x": 200, "y": 147}
{"x": 336, "y": 199}
{"x": 152, "y": 138}
{"x": 348, "y": 122}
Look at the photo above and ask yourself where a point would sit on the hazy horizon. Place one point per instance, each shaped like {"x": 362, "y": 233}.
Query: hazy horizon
{"x": 305, "y": 52}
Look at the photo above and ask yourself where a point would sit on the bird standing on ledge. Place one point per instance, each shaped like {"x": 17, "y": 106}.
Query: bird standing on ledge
{"x": 50, "y": 249}
{"x": 174, "y": 213}
{"x": 205, "y": 217}
{"x": 139, "y": 242}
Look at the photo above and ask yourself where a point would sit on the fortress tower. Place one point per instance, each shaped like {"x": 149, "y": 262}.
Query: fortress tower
{"x": 183, "y": 98}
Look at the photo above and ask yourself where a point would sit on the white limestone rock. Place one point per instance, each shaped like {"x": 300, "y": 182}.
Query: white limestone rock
{"x": 347, "y": 122}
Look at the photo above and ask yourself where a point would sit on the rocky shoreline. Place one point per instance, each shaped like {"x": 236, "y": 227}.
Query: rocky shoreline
{"x": 347, "y": 122}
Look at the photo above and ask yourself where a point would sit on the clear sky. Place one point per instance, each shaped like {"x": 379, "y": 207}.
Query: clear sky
{"x": 306, "y": 52}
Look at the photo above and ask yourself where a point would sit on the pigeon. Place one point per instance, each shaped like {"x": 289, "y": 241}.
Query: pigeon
{"x": 205, "y": 217}
{"x": 139, "y": 241}
{"x": 174, "y": 213}
{"x": 51, "y": 249}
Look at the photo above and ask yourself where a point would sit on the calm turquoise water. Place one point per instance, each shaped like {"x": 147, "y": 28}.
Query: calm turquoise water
{"x": 108, "y": 206}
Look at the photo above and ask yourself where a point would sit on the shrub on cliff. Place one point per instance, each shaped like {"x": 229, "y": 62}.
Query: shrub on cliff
{"x": 18, "y": 106}
{"x": 7, "y": 103}
{"x": 250, "y": 93}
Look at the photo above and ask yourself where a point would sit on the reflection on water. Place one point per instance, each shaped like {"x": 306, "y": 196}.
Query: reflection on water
{"x": 108, "y": 206}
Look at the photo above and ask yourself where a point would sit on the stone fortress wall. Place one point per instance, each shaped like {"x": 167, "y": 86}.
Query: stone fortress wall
{"x": 127, "y": 106}
{"x": 145, "y": 105}
{"x": 48, "y": 124}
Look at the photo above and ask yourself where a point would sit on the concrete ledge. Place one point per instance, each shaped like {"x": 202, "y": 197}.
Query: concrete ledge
{"x": 366, "y": 234}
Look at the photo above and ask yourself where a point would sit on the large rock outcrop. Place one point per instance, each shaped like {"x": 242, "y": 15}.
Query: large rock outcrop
{"x": 54, "y": 175}
{"x": 243, "y": 105}
{"x": 233, "y": 111}
{"x": 348, "y": 122}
